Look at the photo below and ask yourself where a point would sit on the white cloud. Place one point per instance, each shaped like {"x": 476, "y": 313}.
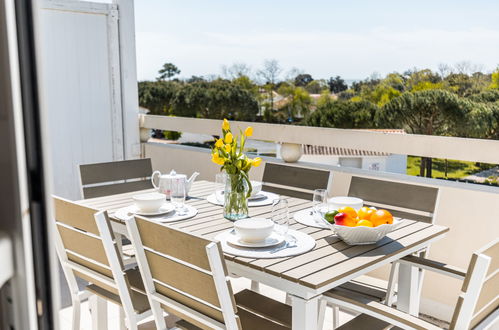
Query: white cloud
{"x": 351, "y": 55}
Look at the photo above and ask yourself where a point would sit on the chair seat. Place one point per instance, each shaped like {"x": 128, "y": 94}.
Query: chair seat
{"x": 368, "y": 286}
{"x": 128, "y": 250}
{"x": 366, "y": 322}
{"x": 139, "y": 299}
{"x": 256, "y": 312}
{"x": 260, "y": 312}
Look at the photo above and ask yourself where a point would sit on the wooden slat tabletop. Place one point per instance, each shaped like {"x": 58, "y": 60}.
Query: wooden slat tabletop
{"x": 330, "y": 260}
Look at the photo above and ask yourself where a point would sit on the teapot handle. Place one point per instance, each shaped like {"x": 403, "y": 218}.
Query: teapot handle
{"x": 152, "y": 178}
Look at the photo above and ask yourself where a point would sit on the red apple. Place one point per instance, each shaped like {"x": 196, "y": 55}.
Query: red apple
{"x": 340, "y": 218}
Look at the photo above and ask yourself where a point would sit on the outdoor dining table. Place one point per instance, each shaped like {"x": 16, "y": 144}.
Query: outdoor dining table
{"x": 304, "y": 277}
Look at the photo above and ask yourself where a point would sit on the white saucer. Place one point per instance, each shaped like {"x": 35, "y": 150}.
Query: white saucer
{"x": 123, "y": 213}
{"x": 273, "y": 239}
{"x": 257, "y": 197}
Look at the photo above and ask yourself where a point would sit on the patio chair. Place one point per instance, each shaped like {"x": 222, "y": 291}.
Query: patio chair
{"x": 476, "y": 308}
{"x": 102, "y": 179}
{"x": 185, "y": 275}
{"x": 86, "y": 248}
{"x": 403, "y": 200}
{"x": 293, "y": 181}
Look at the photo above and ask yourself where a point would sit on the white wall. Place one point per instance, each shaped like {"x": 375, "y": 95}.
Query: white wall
{"x": 396, "y": 164}
{"x": 82, "y": 89}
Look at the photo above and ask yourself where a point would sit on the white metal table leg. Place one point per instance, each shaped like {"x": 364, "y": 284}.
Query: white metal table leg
{"x": 407, "y": 295}
{"x": 305, "y": 313}
{"x": 98, "y": 309}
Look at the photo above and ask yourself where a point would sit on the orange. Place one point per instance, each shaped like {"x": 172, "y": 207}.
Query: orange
{"x": 380, "y": 217}
{"x": 350, "y": 222}
{"x": 365, "y": 213}
{"x": 350, "y": 211}
{"x": 365, "y": 223}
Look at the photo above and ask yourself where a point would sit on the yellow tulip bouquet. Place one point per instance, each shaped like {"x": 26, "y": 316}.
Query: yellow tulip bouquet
{"x": 229, "y": 153}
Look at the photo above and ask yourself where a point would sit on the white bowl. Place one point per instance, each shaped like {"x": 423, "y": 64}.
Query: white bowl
{"x": 254, "y": 230}
{"x": 256, "y": 187}
{"x": 343, "y": 201}
{"x": 364, "y": 235}
{"x": 150, "y": 202}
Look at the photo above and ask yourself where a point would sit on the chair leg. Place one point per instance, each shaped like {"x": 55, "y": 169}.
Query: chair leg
{"x": 336, "y": 316}
{"x": 255, "y": 286}
{"x": 132, "y": 322}
{"x": 392, "y": 280}
{"x": 76, "y": 313}
{"x": 98, "y": 309}
{"x": 122, "y": 318}
{"x": 322, "y": 314}
{"x": 157, "y": 312}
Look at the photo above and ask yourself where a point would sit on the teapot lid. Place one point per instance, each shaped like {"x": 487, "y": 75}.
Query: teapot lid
{"x": 174, "y": 174}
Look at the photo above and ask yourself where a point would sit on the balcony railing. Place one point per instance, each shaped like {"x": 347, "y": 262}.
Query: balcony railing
{"x": 469, "y": 210}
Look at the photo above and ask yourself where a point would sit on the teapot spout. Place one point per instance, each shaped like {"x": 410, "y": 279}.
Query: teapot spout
{"x": 191, "y": 180}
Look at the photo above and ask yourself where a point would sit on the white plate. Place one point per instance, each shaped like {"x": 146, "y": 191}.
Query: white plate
{"x": 308, "y": 218}
{"x": 258, "y": 196}
{"x": 165, "y": 208}
{"x": 266, "y": 199}
{"x": 273, "y": 239}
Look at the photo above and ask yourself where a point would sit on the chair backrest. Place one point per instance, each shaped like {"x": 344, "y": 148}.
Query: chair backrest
{"x": 294, "y": 181}
{"x": 185, "y": 274}
{"x": 402, "y": 199}
{"x": 102, "y": 179}
{"x": 86, "y": 248}
{"x": 479, "y": 296}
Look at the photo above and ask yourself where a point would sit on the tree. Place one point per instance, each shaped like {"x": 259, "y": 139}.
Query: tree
{"x": 236, "y": 70}
{"x": 270, "y": 72}
{"x": 430, "y": 112}
{"x": 316, "y": 86}
{"x": 337, "y": 85}
{"x": 298, "y": 102}
{"x": 495, "y": 80}
{"x": 484, "y": 116}
{"x": 303, "y": 80}
{"x": 216, "y": 99}
{"x": 167, "y": 71}
{"x": 343, "y": 114}
{"x": 269, "y": 75}
{"x": 157, "y": 96}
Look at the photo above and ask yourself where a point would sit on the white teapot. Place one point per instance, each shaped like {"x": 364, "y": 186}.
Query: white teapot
{"x": 165, "y": 181}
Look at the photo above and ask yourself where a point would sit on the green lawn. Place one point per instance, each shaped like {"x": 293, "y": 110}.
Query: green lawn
{"x": 456, "y": 169}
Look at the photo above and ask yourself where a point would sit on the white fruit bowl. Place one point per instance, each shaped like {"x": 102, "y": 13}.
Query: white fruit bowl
{"x": 364, "y": 235}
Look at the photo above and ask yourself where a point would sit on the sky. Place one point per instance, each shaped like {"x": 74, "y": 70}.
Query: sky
{"x": 349, "y": 38}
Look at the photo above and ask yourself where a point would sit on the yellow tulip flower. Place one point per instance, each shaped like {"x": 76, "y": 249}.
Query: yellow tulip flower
{"x": 257, "y": 161}
{"x": 217, "y": 159}
{"x": 227, "y": 148}
{"x": 225, "y": 125}
{"x": 219, "y": 143}
{"x": 228, "y": 138}
{"x": 248, "y": 131}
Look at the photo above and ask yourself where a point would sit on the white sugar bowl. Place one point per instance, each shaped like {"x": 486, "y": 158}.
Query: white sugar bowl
{"x": 149, "y": 202}
{"x": 254, "y": 230}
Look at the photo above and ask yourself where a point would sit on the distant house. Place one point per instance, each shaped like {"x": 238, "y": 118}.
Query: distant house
{"x": 363, "y": 159}
{"x": 280, "y": 101}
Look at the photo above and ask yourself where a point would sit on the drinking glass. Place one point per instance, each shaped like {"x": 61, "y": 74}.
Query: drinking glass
{"x": 280, "y": 216}
{"x": 319, "y": 200}
{"x": 219, "y": 187}
{"x": 177, "y": 196}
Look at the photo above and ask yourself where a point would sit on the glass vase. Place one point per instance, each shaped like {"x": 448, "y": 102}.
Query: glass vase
{"x": 235, "y": 197}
